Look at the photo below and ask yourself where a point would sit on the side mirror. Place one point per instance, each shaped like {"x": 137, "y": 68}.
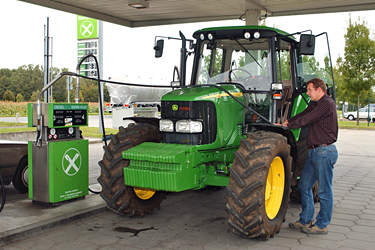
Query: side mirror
{"x": 307, "y": 45}
{"x": 330, "y": 91}
{"x": 159, "y": 48}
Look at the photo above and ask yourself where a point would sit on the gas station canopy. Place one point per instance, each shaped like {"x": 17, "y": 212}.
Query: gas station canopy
{"x": 140, "y": 13}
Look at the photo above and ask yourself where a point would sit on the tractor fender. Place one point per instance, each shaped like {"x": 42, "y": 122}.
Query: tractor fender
{"x": 285, "y": 131}
{"x": 148, "y": 120}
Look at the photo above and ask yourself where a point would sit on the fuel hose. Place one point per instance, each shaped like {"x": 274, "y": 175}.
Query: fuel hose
{"x": 100, "y": 101}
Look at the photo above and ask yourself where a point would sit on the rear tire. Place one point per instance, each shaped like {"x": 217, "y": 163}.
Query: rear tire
{"x": 303, "y": 151}
{"x": 120, "y": 198}
{"x": 350, "y": 117}
{"x": 259, "y": 185}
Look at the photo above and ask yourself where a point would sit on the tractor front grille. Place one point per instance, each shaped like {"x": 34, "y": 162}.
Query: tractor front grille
{"x": 203, "y": 111}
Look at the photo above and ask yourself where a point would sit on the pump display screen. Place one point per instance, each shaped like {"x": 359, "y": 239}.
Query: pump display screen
{"x": 69, "y": 115}
{"x": 69, "y": 118}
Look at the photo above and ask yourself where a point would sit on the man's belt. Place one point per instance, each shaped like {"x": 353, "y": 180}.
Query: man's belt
{"x": 321, "y": 145}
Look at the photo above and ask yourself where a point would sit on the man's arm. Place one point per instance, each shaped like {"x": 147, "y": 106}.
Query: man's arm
{"x": 310, "y": 115}
{"x": 308, "y": 109}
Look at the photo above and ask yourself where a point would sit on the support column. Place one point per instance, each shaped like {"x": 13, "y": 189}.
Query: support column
{"x": 252, "y": 17}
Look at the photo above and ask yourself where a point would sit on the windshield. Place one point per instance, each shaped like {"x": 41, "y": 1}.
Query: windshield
{"x": 236, "y": 60}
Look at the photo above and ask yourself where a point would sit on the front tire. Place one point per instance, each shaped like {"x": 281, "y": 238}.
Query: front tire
{"x": 122, "y": 199}
{"x": 259, "y": 185}
{"x": 351, "y": 118}
{"x": 21, "y": 176}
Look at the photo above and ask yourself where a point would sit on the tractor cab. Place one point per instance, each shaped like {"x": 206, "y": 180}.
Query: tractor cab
{"x": 270, "y": 65}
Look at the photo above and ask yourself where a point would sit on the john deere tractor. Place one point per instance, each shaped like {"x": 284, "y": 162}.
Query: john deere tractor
{"x": 218, "y": 129}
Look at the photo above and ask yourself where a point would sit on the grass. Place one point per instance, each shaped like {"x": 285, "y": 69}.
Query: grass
{"x": 15, "y": 129}
{"x": 12, "y": 127}
{"x": 10, "y": 109}
{"x": 12, "y": 124}
{"x": 93, "y": 132}
{"x": 353, "y": 125}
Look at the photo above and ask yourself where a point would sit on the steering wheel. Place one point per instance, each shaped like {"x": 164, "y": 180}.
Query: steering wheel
{"x": 236, "y": 78}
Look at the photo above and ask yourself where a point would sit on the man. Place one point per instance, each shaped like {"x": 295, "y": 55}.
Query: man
{"x": 321, "y": 117}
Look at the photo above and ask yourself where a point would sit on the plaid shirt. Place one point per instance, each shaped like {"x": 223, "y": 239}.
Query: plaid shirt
{"x": 321, "y": 117}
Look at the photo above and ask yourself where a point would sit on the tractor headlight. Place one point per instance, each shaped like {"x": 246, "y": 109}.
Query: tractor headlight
{"x": 186, "y": 126}
{"x": 166, "y": 125}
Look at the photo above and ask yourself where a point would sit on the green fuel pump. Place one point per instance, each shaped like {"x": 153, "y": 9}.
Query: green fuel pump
{"x": 58, "y": 159}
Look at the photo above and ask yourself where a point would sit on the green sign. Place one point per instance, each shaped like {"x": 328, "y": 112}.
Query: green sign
{"x": 87, "y": 28}
{"x": 65, "y": 106}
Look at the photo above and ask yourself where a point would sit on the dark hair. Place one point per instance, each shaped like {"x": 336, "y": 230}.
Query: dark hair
{"x": 318, "y": 83}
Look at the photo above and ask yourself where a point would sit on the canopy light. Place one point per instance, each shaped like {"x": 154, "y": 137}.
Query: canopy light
{"x": 138, "y": 4}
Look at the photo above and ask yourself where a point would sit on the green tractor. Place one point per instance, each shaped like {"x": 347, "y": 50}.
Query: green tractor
{"x": 219, "y": 129}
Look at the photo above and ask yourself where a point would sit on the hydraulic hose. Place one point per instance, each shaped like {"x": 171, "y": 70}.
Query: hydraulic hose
{"x": 3, "y": 193}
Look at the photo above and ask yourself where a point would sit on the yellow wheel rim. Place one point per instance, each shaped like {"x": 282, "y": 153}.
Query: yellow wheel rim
{"x": 275, "y": 187}
{"x": 144, "y": 193}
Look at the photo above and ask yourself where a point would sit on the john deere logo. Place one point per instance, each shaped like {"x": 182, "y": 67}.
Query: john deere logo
{"x": 174, "y": 107}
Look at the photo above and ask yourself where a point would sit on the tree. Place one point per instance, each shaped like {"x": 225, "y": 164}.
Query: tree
{"x": 26, "y": 80}
{"x": 341, "y": 95}
{"x": 19, "y": 97}
{"x": 34, "y": 97}
{"x": 357, "y": 68}
{"x": 8, "y": 96}
{"x": 217, "y": 66}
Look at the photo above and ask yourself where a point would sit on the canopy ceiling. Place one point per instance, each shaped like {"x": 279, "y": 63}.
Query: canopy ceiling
{"x": 161, "y": 12}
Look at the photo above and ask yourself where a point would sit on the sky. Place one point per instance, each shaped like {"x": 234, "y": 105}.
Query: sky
{"x": 128, "y": 52}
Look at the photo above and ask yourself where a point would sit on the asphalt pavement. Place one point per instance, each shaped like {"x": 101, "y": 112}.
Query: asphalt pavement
{"x": 197, "y": 219}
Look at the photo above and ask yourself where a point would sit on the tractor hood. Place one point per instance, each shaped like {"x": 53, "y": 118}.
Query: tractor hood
{"x": 202, "y": 93}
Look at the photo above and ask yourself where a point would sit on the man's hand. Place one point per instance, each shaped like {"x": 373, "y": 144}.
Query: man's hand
{"x": 285, "y": 124}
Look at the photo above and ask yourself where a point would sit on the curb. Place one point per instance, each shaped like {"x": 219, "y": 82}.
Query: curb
{"x": 93, "y": 140}
{"x": 37, "y": 228}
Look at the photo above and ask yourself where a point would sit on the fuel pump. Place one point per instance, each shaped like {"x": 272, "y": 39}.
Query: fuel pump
{"x": 58, "y": 158}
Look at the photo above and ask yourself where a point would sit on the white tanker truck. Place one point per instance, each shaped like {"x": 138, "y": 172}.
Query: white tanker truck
{"x": 132, "y": 101}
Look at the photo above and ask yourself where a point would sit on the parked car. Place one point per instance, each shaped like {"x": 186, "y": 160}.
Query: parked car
{"x": 363, "y": 113}
{"x": 14, "y": 164}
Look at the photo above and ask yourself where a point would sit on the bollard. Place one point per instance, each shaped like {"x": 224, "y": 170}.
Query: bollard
{"x": 17, "y": 117}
